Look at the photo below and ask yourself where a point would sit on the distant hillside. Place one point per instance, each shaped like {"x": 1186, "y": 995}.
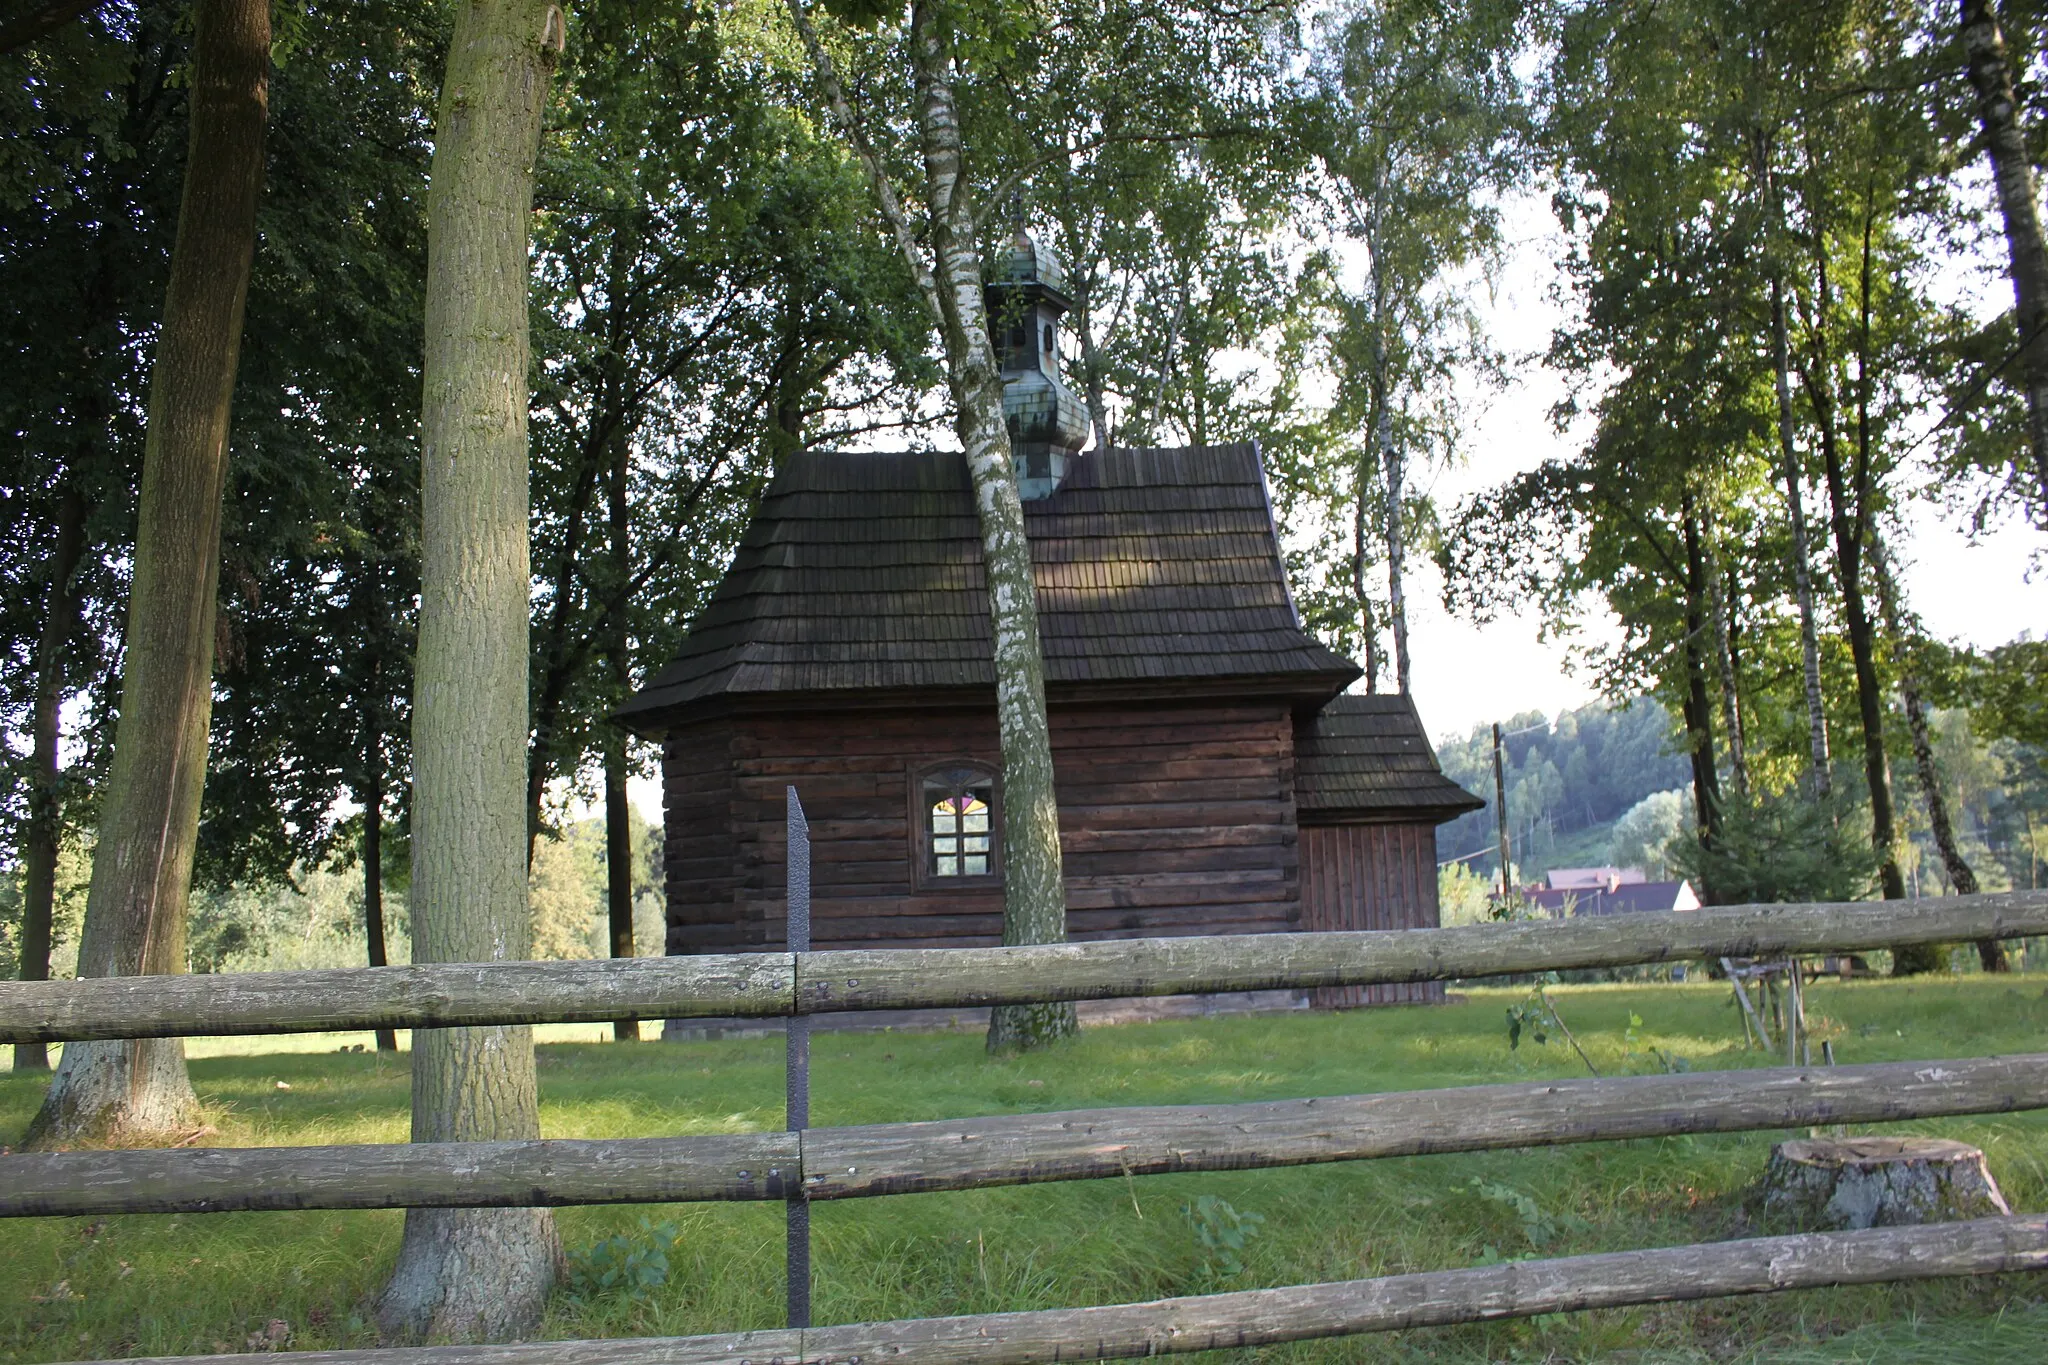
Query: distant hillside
{"x": 1568, "y": 781}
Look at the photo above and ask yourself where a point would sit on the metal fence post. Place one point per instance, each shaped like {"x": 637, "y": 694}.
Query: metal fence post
{"x": 797, "y": 1061}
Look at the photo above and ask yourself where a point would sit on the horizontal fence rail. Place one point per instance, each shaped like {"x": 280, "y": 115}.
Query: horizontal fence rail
{"x": 773, "y": 984}
{"x": 957, "y": 1154}
{"x": 1264, "y": 1317}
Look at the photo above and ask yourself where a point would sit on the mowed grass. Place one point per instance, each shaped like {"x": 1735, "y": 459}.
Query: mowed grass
{"x": 164, "y": 1284}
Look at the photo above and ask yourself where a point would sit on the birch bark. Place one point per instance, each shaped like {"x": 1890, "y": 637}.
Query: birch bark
{"x": 1034, "y": 897}
{"x": 950, "y": 281}
{"x": 149, "y": 822}
{"x": 467, "y": 1274}
{"x": 2012, "y": 172}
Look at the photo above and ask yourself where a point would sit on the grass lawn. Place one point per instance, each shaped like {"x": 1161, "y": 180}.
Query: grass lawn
{"x": 72, "y": 1288}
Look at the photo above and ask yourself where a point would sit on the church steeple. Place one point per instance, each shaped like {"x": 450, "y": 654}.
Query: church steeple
{"x": 1048, "y": 423}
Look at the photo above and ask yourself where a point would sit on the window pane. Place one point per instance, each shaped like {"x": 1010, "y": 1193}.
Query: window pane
{"x": 975, "y": 821}
{"x": 950, "y": 867}
{"x": 945, "y": 845}
{"x": 974, "y": 843}
{"x": 976, "y": 867}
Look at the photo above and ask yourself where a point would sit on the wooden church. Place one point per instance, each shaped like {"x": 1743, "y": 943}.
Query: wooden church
{"x": 1213, "y": 775}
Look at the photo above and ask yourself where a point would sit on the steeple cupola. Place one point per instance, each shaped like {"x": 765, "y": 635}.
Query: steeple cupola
{"x": 1048, "y": 423}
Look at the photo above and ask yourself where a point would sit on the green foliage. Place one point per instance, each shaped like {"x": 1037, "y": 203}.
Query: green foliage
{"x": 627, "y": 1266}
{"x": 1223, "y": 1232}
{"x": 1648, "y": 832}
{"x": 1539, "y": 1226}
{"x": 1566, "y": 776}
{"x": 1782, "y": 849}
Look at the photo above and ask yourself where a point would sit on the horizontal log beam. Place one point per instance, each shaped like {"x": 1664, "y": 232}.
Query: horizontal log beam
{"x": 1265, "y": 1317}
{"x": 436, "y": 995}
{"x": 760, "y": 984}
{"x": 964, "y": 977}
{"x": 959, "y": 1154}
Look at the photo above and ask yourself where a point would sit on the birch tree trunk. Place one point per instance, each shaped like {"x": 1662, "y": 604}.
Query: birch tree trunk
{"x": 950, "y": 282}
{"x": 44, "y": 835}
{"x": 149, "y": 822}
{"x": 1034, "y": 896}
{"x": 1395, "y": 468}
{"x": 1361, "y": 596}
{"x": 2012, "y": 172}
{"x": 1961, "y": 876}
{"x": 468, "y": 1274}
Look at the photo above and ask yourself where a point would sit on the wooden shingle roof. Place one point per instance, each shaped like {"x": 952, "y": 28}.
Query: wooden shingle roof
{"x": 863, "y": 574}
{"x": 1364, "y": 758}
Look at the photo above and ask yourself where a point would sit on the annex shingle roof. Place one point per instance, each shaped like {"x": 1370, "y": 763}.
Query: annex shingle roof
{"x": 1369, "y": 756}
{"x": 862, "y": 573}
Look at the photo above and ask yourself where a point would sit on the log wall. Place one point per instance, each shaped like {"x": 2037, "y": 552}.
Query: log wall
{"x": 1370, "y": 876}
{"x": 1173, "y": 820}
{"x": 697, "y": 844}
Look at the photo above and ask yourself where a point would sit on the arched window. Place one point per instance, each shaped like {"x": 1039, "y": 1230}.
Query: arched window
{"x": 1051, "y": 343}
{"x": 957, "y": 825}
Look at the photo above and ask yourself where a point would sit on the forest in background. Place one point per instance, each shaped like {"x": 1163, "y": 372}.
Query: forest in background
{"x": 1274, "y": 227}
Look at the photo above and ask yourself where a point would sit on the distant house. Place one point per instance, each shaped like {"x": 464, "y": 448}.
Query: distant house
{"x": 1621, "y": 891}
{"x": 1592, "y": 878}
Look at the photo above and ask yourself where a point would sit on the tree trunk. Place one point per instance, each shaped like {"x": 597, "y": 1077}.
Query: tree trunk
{"x": 1034, "y": 898}
{"x": 373, "y": 874}
{"x": 371, "y": 794}
{"x": 1361, "y": 596}
{"x": 2012, "y": 171}
{"x": 1963, "y": 878}
{"x": 1397, "y": 597}
{"x": 149, "y": 822}
{"x": 1697, "y": 711}
{"x": 1802, "y": 555}
{"x": 618, "y": 819}
{"x": 1392, "y": 468}
{"x": 467, "y": 1274}
{"x": 45, "y": 832}
{"x": 1719, "y": 608}
{"x": 1850, "y": 508}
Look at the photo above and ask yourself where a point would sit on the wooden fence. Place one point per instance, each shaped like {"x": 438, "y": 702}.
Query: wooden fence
{"x": 828, "y": 1163}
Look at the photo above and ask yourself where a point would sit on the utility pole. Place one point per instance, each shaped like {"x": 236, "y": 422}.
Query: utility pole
{"x": 1500, "y": 807}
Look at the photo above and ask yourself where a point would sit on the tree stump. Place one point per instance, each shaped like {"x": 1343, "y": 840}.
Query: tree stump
{"x": 1843, "y": 1183}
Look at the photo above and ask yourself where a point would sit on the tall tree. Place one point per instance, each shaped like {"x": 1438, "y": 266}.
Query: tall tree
{"x": 476, "y": 1273}
{"x": 703, "y": 274}
{"x": 942, "y": 252}
{"x": 45, "y": 823}
{"x": 1990, "y": 73}
{"x": 149, "y": 819}
{"x": 89, "y": 180}
{"x": 1912, "y": 697}
{"x": 1424, "y": 124}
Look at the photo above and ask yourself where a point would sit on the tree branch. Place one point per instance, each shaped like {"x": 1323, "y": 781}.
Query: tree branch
{"x": 856, "y": 136}
{"x": 22, "y": 29}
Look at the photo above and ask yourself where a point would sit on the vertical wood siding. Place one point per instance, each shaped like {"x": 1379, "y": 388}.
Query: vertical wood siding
{"x": 1370, "y": 876}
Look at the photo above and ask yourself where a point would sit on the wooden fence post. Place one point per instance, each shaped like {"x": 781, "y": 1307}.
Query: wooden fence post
{"x": 797, "y": 1059}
